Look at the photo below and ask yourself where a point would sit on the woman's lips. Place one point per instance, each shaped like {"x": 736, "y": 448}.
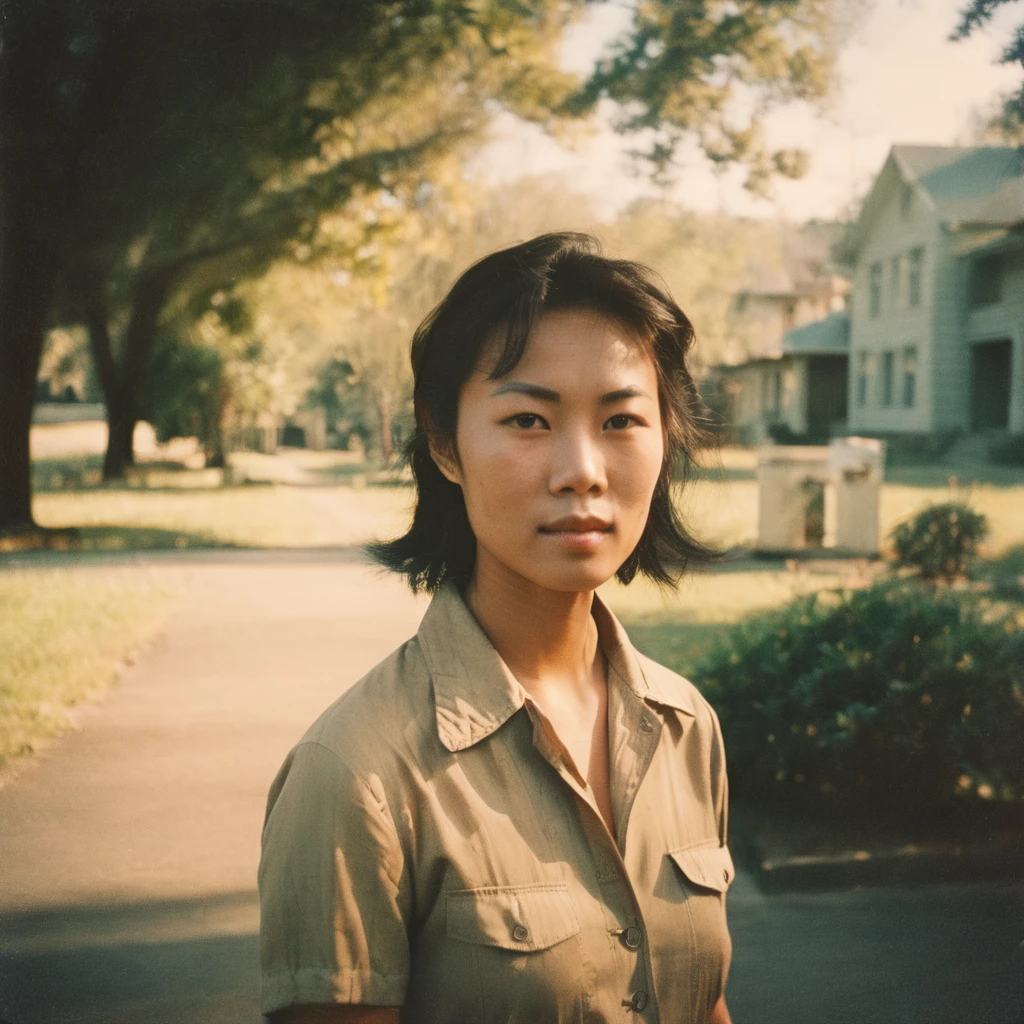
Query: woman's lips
{"x": 578, "y": 540}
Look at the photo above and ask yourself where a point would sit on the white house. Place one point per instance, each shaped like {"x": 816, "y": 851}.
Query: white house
{"x": 937, "y": 312}
{"x": 789, "y": 311}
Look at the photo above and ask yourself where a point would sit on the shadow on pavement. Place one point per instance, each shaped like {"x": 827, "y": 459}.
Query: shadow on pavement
{"x": 160, "y": 963}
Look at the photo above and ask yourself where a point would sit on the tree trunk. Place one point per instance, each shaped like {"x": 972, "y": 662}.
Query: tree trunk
{"x": 216, "y": 443}
{"x": 123, "y": 385}
{"x": 27, "y": 274}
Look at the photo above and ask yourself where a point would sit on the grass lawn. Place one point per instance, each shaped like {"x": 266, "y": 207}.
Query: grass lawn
{"x": 331, "y": 498}
{"x": 272, "y": 515}
{"x": 64, "y": 638}
{"x": 676, "y": 629}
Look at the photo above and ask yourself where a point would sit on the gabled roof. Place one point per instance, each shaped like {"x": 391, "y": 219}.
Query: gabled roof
{"x": 964, "y": 185}
{"x": 828, "y": 337}
{"x": 979, "y": 185}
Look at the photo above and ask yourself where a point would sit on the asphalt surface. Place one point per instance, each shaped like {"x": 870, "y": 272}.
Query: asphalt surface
{"x": 128, "y": 850}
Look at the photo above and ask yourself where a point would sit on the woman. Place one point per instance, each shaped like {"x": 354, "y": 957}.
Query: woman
{"x": 516, "y": 816}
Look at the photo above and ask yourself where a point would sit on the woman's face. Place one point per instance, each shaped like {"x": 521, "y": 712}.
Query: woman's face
{"x": 558, "y": 460}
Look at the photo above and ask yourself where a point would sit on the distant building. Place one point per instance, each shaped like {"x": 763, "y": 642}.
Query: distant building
{"x": 790, "y": 310}
{"x": 937, "y": 318}
{"x": 795, "y": 391}
{"x": 798, "y": 285}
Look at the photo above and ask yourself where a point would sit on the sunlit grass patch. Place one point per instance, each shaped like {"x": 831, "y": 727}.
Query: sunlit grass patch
{"x": 675, "y": 629}
{"x": 63, "y": 639}
{"x": 243, "y": 516}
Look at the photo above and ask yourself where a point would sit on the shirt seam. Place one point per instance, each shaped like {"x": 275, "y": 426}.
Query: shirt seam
{"x": 369, "y": 800}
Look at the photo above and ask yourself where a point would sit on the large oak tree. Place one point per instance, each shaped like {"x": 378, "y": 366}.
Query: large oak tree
{"x": 152, "y": 151}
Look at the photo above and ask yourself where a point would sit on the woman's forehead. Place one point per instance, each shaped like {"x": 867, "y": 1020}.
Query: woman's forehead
{"x": 571, "y": 341}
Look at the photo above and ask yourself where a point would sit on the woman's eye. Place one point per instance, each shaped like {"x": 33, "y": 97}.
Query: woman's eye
{"x": 526, "y": 420}
{"x": 621, "y": 420}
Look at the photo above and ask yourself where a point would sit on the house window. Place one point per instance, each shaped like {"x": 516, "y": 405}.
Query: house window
{"x": 985, "y": 285}
{"x": 914, "y": 276}
{"x": 863, "y": 377}
{"x": 875, "y": 289}
{"x": 896, "y": 281}
{"x": 909, "y": 376}
{"x": 771, "y": 391}
{"x": 886, "y": 382}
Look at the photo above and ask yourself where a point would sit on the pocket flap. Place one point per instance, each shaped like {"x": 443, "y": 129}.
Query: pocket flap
{"x": 708, "y": 866}
{"x": 519, "y": 917}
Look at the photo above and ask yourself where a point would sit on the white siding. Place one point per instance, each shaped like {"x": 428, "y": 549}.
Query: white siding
{"x": 951, "y": 370}
{"x": 897, "y": 230}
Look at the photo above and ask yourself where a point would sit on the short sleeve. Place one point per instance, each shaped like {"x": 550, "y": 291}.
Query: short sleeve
{"x": 333, "y": 913}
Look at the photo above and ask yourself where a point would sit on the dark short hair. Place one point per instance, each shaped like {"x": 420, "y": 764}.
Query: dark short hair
{"x": 501, "y": 297}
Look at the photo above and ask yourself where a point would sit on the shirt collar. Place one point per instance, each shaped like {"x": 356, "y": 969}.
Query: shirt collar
{"x": 474, "y": 691}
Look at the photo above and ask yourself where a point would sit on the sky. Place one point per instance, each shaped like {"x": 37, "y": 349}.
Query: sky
{"x": 899, "y": 80}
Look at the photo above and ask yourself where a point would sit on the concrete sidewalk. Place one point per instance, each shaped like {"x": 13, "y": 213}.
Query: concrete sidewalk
{"x": 128, "y": 851}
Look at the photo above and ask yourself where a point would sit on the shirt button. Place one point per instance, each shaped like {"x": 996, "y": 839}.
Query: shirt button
{"x": 519, "y": 933}
{"x": 639, "y": 1001}
{"x": 646, "y": 725}
{"x": 631, "y": 937}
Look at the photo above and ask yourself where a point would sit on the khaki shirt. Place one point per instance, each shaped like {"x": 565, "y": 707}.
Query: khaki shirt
{"x": 428, "y": 844}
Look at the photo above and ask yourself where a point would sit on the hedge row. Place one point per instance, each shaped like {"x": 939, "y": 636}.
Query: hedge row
{"x": 899, "y": 693}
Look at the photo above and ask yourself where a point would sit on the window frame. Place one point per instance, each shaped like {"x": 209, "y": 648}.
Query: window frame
{"x": 875, "y": 289}
{"x": 863, "y": 380}
{"x": 915, "y": 277}
{"x": 908, "y": 389}
{"x": 887, "y": 379}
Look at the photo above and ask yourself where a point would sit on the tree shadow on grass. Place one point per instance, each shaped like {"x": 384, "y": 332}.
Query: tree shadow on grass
{"x": 105, "y": 538}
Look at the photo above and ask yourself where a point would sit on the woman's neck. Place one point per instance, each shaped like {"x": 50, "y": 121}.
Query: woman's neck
{"x": 547, "y": 638}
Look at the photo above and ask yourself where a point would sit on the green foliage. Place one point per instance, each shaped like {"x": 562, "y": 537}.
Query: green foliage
{"x": 974, "y": 17}
{"x": 1007, "y": 450}
{"x": 683, "y": 68}
{"x": 185, "y": 392}
{"x": 941, "y": 541}
{"x": 896, "y": 694}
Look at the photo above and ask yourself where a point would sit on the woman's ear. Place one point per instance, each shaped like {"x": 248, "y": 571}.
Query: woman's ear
{"x": 443, "y": 454}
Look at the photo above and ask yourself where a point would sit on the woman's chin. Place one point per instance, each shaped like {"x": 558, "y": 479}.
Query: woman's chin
{"x": 582, "y": 576}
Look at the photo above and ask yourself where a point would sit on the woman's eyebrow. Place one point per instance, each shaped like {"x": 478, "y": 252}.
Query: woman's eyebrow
{"x": 519, "y": 387}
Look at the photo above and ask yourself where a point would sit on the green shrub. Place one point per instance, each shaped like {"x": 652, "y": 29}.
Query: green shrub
{"x": 940, "y": 541}
{"x": 1007, "y": 450}
{"x": 897, "y": 693}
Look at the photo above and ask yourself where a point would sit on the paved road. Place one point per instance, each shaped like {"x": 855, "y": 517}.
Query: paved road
{"x": 128, "y": 851}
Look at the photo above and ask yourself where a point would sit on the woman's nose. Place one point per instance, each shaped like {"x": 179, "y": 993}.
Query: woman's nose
{"x": 577, "y": 465}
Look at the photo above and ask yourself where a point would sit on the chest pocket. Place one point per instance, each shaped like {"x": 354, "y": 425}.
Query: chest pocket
{"x": 523, "y": 918}
{"x": 705, "y": 873}
{"x": 706, "y": 867}
{"x": 518, "y": 952}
